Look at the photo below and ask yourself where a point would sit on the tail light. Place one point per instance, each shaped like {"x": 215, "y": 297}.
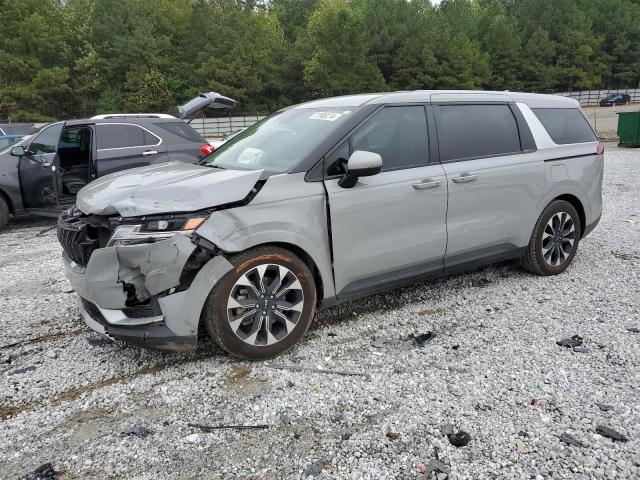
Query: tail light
{"x": 600, "y": 149}
{"x": 207, "y": 149}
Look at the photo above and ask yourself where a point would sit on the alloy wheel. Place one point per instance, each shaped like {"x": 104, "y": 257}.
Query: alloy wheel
{"x": 265, "y": 304}
{"x": 558, "y": 239}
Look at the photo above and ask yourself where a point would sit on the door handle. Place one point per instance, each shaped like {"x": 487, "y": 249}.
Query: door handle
{"x": 148, "y": 152}
{"x": 465, "y": 178}
{"x": 427, "y": 183}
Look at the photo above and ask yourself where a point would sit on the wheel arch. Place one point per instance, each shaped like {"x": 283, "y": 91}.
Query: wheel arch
{"x": 306, "y": 258}
{"x": 577, "y": 204}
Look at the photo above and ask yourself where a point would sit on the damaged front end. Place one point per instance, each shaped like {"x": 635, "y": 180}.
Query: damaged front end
{"x": 142, "y": 280}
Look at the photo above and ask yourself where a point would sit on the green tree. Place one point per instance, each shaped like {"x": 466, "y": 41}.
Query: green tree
{"x": 335, "y": 53}
{"x": 149, "y": 93}
{"x": 499, "y": 39}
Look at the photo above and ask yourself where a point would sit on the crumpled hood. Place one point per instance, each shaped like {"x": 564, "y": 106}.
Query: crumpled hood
{"x": 165, "y": 188}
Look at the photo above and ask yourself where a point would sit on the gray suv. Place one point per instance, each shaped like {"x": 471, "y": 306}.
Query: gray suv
{"x": 42, "y": 174}
{"x": 326, "y": 201}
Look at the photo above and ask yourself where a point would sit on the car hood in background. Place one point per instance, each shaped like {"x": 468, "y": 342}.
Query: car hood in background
{"x": 165, "y": 188}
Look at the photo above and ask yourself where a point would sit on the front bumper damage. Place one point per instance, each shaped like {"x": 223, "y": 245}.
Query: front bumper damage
{"x": 138, "y": 293}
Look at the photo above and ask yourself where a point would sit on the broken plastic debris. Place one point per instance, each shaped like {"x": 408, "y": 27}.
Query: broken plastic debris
{"x": 420, "y": 340}
{"x": 611, "y": 433}
{"x": 570, "y": 342}
{"x": 138, "y": 431}
{"x": 569, "y": 440}
{"x": 46, "y": 471}
{"x": 459, "y": 439}
{"x": 605, "y": 408}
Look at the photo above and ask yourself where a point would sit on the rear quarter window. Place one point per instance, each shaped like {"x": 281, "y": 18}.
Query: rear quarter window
{"x": 182, "y": 130}
{"x": 565, "y": 125}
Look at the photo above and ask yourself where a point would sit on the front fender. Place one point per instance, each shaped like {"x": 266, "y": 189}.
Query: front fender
{"x": 298, "y": 221}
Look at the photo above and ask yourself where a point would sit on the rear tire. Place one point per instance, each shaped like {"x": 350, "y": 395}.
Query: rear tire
{"x": 554, "y": 240}
{"x": 263, "y": 306}
{"x": 4, "y": 213}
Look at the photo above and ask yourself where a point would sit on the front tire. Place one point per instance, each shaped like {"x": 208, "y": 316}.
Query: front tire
{"x": 554, "y": 240}
{"x": 4, "y": 213}
{"x": 263, "y": 306}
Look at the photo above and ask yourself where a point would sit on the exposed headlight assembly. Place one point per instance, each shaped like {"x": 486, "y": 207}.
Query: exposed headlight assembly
{"x": 151, "y": 230}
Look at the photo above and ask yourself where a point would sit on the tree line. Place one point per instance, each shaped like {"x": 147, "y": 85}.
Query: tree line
{"x": 74, "y": 58}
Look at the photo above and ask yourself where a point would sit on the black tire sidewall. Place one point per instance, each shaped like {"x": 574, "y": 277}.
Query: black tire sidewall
{"x": 4, "y": 213}
{"x": 557, "y": 207}
{"x": 215, "y": 314}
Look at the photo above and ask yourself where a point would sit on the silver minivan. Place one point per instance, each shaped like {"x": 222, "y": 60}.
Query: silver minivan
{"x": 326, "y": 201}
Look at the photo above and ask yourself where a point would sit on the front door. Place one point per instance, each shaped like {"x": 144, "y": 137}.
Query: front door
{"x": 391, "y": 226}
{"x": 38, "y": 170}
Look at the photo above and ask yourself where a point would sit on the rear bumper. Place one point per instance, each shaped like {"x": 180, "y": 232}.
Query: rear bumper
{"x": 171, "y": 318}
{"x": 589, "y": 228}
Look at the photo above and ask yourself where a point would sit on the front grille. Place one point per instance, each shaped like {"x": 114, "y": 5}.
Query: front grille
{"x": 80, "y": 234}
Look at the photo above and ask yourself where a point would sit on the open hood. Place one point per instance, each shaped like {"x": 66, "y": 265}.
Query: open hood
{"x": 165, "y": 188}
{"x": 204, "y": 101}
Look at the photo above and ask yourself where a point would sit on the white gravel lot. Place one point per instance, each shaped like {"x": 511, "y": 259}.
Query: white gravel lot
{"x": 493, "y": 370}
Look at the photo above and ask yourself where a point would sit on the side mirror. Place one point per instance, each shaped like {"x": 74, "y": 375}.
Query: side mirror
{"x": 361, "y": 164}
{"x": 17, "y": 151}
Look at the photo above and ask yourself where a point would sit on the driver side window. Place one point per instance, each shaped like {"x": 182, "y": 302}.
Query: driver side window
{"x": 47, "y": 140}
{"x": 397, "y": 134}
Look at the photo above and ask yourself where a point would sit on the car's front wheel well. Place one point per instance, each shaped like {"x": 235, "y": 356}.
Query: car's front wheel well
{"x": 7, "y": 200}
{"x": 306, "y": 258}
{"x": 577, "y": 204}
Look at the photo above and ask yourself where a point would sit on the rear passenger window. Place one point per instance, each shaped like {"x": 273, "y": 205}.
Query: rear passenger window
{"x": 182, "y": 130}
{"x": 467, "y": 131}
{"x": 565, "y": 125}
{"x": 121, "y": 136}
{"x": 398, "y": 134}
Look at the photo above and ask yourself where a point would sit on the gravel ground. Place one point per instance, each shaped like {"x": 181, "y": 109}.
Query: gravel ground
{"x": 493, "y": 370}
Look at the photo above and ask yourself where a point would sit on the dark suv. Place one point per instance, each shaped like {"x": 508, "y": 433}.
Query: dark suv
{"x": 42, "y": 174}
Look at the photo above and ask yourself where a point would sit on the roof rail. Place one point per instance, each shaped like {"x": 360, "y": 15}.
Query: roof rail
{"x": 131, "y": 115}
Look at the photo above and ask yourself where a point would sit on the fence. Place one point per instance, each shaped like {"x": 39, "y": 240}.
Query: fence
{"x": 593, "y": 97}
{"x": 219, "y": 127}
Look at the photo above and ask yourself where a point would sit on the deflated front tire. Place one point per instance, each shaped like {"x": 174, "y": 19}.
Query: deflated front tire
{"x": 263, "y": 306}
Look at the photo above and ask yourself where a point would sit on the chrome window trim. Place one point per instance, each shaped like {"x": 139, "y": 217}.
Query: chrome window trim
{"x": 133, "y": 125}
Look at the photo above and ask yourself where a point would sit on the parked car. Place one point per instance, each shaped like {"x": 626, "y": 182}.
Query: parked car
{"x": 21, "y": 129}
{"x": 8, "y": 140}
{"x": 615, "y": 99}
{"x": 326, "y": 201}
{"x": 43, "y": 175}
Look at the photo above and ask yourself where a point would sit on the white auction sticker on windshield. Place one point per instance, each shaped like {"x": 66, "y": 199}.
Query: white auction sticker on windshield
{"x": 329, "y": 116}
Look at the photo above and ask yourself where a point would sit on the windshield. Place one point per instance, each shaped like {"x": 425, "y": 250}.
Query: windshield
{"x": 280, "y": 141}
